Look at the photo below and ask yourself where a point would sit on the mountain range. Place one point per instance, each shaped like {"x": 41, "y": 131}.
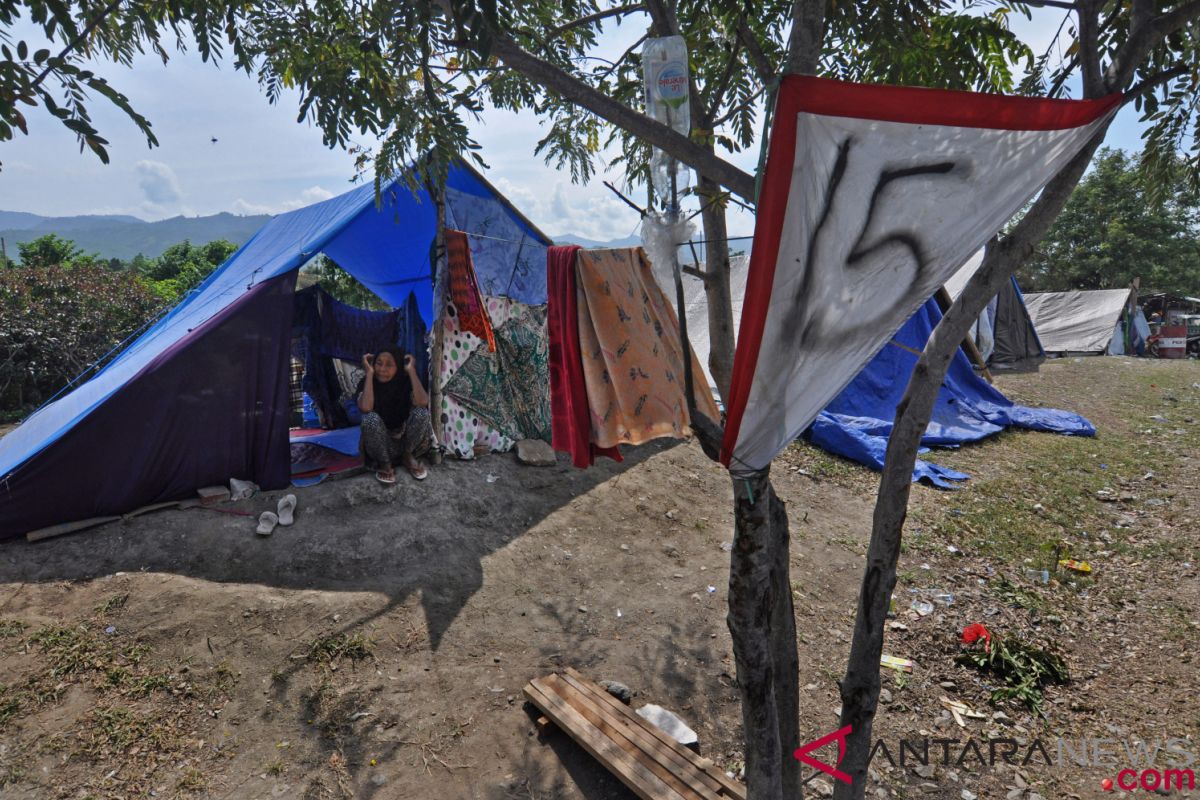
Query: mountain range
{"x": 122, "y": 236}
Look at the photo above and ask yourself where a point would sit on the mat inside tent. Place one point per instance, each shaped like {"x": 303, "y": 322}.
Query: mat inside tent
{"x": 316, "y": 454}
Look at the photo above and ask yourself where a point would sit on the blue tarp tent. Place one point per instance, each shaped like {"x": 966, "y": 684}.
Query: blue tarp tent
{"x": 858, "y": 422}
{"x": 202, "y": 395}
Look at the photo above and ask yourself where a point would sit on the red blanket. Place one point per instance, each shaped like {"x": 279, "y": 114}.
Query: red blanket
{"x": 570, "y": 421}
{"x": 464, "y": 289}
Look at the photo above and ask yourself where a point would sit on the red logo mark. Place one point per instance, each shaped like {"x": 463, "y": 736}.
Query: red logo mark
{"x": 802, "y": 753}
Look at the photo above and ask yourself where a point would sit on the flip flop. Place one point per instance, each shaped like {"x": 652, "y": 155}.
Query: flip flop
{"x": 287, "y": 505}
{"x": 266, "y": 523}
{"x": 418, "y": 471}
{"x": 383, "y": 478}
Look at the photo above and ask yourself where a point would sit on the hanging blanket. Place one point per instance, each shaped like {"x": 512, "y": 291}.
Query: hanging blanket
{"x": 464, "y": 290}
{"x": 509, "y": 388}
{"x": 632, "y": 357}
{"x": 570, "y": 419}
{"x": 466, "y": 425}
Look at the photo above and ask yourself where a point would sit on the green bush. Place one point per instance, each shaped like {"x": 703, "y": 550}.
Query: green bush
{"x": 56, "y": 321}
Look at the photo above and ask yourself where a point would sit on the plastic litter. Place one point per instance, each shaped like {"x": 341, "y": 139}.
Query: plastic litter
{"x": 943, "y": 598}
{"x": 110, "y": 630}
{"x": 240, "y": 490}
{"x": 492, "y": 478}
{"x": 712, "y": 590}
{"x": 1038, "y": 575}
{"x": 898, "y": 664}
{"x": 922, "y": 607}
{"x": 961, "y": 711}
{"x": 1082, "y": 567}
{"x": 669, "y": 724}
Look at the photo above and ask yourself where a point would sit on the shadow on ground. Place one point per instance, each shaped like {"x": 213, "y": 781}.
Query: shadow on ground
{"x": 350, "y": 535}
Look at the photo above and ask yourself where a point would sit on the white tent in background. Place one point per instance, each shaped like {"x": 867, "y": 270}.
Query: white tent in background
{"x": 1086, "y": 321}
{"x": 696, "y": 302}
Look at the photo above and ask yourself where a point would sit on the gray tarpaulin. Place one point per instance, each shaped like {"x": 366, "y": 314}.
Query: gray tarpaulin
{"x": 1077, "y": 322}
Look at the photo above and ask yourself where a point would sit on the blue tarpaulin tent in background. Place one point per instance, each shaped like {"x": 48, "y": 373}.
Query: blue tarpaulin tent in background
{"x": 202, "y": 395}
{"x": 1004, "y": 333}
{"x": 858, "y": 422}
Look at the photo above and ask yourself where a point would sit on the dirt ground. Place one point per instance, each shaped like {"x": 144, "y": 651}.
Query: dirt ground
{"x": 377, "y": 648}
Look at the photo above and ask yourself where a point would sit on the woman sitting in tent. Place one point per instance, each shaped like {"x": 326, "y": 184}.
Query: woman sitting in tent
{"x": 396, "y": 427}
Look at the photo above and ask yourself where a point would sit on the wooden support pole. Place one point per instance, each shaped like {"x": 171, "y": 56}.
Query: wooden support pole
{"x": 944, "y": 301}
{"x": 437, "y": 268}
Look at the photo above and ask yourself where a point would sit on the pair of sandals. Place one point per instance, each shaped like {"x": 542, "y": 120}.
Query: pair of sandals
{"x": 285, "y": 515}
{"x": 416, "y": 469}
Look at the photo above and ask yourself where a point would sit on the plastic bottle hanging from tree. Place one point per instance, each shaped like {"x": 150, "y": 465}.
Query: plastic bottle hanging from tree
{"x": 665, "y": 71}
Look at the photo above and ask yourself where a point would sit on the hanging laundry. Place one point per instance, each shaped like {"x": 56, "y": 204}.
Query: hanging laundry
{"x": 509, "y": 389}
{"x": 571, "y": 424}
{"x": 464, "y": 290}
{"x": 873, "y": 196}
{"x": 471, "y": 411}
{"x": 632, "y": 357}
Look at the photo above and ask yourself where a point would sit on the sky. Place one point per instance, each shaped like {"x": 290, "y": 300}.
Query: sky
{"x": 265, "y": 162}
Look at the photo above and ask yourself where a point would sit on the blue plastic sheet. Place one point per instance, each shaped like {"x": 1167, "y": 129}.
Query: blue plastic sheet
{"x": 858, "y": 422}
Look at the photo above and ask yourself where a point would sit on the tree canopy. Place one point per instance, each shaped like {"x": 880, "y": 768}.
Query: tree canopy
{"x": 53, "y": 250}
{"x": 1117, "y": 227}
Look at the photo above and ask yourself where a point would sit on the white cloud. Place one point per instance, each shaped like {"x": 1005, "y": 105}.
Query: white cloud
{"x": 247, "y": 208}
{"x": 313, "y": 194}
{"x": 158, "y": 183}
{"x": 559, "y": 207}
{"x": 590, "y": 211}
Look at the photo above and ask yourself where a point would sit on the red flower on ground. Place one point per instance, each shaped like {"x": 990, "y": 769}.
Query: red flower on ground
{"x": 974, "y": 632}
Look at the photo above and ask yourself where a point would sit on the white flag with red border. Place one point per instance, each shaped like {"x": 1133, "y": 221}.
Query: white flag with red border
{"x": 873, "y": 196}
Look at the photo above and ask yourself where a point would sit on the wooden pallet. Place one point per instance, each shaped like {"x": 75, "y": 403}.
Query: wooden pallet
{"x": 644, "y": 758}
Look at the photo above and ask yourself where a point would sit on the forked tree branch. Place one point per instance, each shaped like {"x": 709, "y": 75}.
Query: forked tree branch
{"x": 79, "y": 39}
{"x": 590, "y": 18}
{"x": 613, "y": 111}
{"x": 1153, "y": 82}
{"x": 762, "y": 64}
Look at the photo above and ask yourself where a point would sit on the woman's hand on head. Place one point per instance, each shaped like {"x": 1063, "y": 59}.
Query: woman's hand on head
{"x": 368, "y": 363}
{"x": 409, "y": 362}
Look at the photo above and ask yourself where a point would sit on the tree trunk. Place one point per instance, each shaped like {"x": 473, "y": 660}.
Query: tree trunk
{"x": 784, "y": 656}
{"x": 860, "y": 688}
{"x": 716, "y": 287}
{"x": 751, "y": 613}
